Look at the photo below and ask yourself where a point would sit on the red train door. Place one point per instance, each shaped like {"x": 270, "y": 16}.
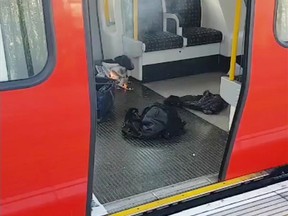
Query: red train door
{"x": 260, "y": 134}
{"x": 45, "y": 117}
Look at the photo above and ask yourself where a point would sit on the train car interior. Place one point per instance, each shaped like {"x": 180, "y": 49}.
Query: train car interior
{"x": 176, "y": 48}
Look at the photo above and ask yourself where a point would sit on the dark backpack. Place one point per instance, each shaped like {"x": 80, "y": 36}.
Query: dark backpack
{"x": 155, "y": 121}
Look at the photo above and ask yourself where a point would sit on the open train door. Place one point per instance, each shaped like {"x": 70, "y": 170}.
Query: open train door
{"x": 259, "y": 134}
{"x": 45, "y": 117}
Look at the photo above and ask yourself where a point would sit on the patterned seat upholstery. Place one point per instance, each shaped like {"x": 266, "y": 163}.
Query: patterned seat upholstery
{"x": 188, "y": 11}
{"x": 200, "y": 36}
{"x": 162, "y": 41}
{"x": 189, "y": 15}
{"x": 151, "y": 28}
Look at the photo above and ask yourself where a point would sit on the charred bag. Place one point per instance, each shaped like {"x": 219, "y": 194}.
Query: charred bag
{"x": 155, "y": 121}
{"x": 207, "y": 103}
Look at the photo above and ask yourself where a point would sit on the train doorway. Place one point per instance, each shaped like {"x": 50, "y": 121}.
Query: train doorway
{"x": 169, "y": 58}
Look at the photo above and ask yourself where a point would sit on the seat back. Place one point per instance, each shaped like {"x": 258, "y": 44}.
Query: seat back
{"x": 188, "y": 10}
{"x": 150, "y": 17}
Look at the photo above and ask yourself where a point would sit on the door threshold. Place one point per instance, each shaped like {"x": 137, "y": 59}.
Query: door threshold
{"x": 191, "y": 194}
{"x": 158, "y": 194}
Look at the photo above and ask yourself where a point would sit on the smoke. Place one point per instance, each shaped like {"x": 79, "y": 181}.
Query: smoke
{"x": 150, "y": 16}
{"x": 127, "y": 16}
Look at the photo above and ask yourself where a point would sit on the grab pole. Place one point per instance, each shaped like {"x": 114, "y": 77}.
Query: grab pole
{"x": 135, "y": 19}
{"x": 237, "y": 23}
{"x": 107, "y": 11}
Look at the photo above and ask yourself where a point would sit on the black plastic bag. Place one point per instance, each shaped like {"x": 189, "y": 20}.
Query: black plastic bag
{"x": 155, "y": 121}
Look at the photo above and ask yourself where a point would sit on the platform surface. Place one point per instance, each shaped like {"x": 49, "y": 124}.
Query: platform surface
{"x": 268, "y": 201}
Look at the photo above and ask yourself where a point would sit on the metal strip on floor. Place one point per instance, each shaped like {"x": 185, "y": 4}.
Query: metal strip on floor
{"x": 154, "y": 195}
{"x": 190, "y": 195}
{"x": 268, "y": 201}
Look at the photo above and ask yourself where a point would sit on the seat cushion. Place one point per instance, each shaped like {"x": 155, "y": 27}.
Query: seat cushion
{"x": 161, "y": 41}
{"x": 200, "y": 36}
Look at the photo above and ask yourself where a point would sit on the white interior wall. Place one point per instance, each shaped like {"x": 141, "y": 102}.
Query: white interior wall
{"x": 219, "y": 14}
{"x": 111, "y": 35}
{"x": 95, "y": 32}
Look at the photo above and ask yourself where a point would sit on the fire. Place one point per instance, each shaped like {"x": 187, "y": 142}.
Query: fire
{"x": 114, "y": 75}
{"x": 125, "y": 86}
{"x": 122, "y": 82}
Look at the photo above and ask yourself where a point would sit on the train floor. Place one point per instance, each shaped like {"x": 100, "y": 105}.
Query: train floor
{"x": 129, "y": 167}
{"x": 195, "y": 85}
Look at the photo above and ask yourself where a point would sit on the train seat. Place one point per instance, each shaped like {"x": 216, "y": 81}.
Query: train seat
{"x": 184, "y": 17}
{"x": 161, "y": 41}
{"x": 200, "y": 36}
{"x": 151, "y": 28}
{"x": 156, "y": 44}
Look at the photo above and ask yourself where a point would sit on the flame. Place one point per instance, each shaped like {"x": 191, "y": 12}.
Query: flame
{"x": 113, "y": 75}
{"x": 125, "y": 86}
{"x": 122, "y": 83}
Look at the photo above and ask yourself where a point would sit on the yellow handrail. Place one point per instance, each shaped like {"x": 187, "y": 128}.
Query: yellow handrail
{"x": 107, "y": 11}
{"x": 135, "y": 19}
{"x": 237, "y": 23}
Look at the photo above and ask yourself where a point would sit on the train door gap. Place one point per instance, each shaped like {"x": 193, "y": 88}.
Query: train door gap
{"x": 129, "y": 172}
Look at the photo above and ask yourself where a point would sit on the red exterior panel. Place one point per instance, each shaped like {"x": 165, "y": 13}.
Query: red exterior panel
{"x": 262, "y": 139}
{"x": 45, "y": 130}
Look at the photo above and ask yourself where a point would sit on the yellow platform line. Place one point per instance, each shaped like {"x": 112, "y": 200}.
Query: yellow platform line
{"x": 190, "y": 195}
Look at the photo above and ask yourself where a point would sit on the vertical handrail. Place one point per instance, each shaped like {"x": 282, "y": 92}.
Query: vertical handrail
{"x": 136, "y": 19}
{"x": 237, "y": 22}
{"x": 107, "y": 11}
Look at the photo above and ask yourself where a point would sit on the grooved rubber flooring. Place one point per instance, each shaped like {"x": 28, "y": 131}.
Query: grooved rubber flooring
{"x": 127, "y": 167}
